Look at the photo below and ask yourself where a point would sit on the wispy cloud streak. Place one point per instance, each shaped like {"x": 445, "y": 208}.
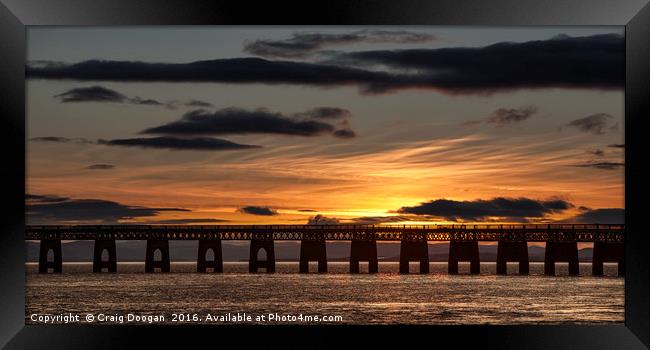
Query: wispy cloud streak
{"x": 305, "y": 44}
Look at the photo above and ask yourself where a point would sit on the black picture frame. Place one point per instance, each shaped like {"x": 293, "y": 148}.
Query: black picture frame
{"x": 15, "y": 15}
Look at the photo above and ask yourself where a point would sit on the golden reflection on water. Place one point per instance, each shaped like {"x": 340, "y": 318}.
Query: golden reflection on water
{"x": 386, "y": 297}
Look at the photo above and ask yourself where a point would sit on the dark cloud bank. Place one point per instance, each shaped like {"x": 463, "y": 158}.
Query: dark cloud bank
{"x": 44, "y": 209}
{"x": 581, "y": 62}
{"x": 510, "y": 209}
{"x": 515, "y": 209}
{"x": 188, "y": 133}
{"x": 592, "y": 62}
{"x": 506, "y": 209}
{"x": 51, "y": 209}
{"x": 261, "y": 121}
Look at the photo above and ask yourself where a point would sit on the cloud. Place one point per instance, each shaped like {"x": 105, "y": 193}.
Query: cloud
{"x": 102, "y": 94}
{"x": 505, "y": 116}
{"x": 148, "y": 102}
{"x": 307, "y": 210}
{"x": 100, "y": 167}
{"x": 602, "y": 216}
{"x": 592, "y": 62}
{"x": 35, "y": 198}
{"x": 253, "y": 210}
{"x": 198, "y": 103}
{"x": 621, "y": 145}
{"x": 322, "y": 220}
{"x": 596, "y": 124}
{"x": 602, "y": 165}
{"x": 87, "y": 211}
{"x": 197, "y": 143}
{"x": 59, "y": 139}
{"x": 483, "y": 210}
{"x": 232, "y": 70}
{"x": 164, "y": 142}
{"x": 240, "y": 121}
{"x": 572, "y": 62}
{"x": 302, "y": 45}
{"x": 91, "y": 94}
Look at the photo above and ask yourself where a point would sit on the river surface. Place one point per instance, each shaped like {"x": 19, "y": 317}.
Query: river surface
{"x": 339, "y": 297}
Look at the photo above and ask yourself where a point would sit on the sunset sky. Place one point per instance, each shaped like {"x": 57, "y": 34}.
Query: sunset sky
{"x": 259, "y": 125}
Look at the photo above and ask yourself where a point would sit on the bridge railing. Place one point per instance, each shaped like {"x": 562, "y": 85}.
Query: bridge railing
{"x": 487, "y": 232}
{"x": 560, "y": 226}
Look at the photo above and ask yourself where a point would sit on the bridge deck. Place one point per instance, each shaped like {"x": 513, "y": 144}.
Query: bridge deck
{"x": 518, "y": 232}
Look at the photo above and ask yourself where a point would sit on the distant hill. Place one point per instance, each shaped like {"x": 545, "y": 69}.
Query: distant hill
{"x": 285, "y": 251}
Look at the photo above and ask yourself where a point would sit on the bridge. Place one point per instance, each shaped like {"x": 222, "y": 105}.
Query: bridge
{"x": 561, "y": 244}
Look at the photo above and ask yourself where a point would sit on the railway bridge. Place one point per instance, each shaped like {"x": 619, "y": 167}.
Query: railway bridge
{"x": 561, "y": 244}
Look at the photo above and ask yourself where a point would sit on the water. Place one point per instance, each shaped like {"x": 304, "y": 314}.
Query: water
{"x": 383, "y": 298}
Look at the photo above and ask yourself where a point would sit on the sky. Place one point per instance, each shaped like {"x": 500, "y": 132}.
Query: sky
{"x": 296, "y": 125}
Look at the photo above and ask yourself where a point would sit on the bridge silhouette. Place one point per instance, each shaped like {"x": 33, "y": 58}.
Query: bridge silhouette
{"x": 561, "y": 244}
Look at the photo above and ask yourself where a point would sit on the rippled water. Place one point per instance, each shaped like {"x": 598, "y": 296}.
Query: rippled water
{"x": 386, "y": 297}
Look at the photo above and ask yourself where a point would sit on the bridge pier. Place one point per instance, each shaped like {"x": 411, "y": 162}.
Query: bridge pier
{"x": 361, "y": 250}
{"x": 269, "y": 264}
{"x": 413, "y": 251}
{"x": 202, "y": 264}
{"x": 57, "y": 264}
{"x": 563, "y": 252}
{"x": 608, "y": 252}
{"x": 150, "y": 265}
{"x": 463, "y": 251}
{"x": 111, "y": 263}
{"x": 512, "y": 251}
{"x": 313, "y": 250}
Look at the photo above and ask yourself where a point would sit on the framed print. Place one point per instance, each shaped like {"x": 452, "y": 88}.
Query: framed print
{"x": 284, "y": 174}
